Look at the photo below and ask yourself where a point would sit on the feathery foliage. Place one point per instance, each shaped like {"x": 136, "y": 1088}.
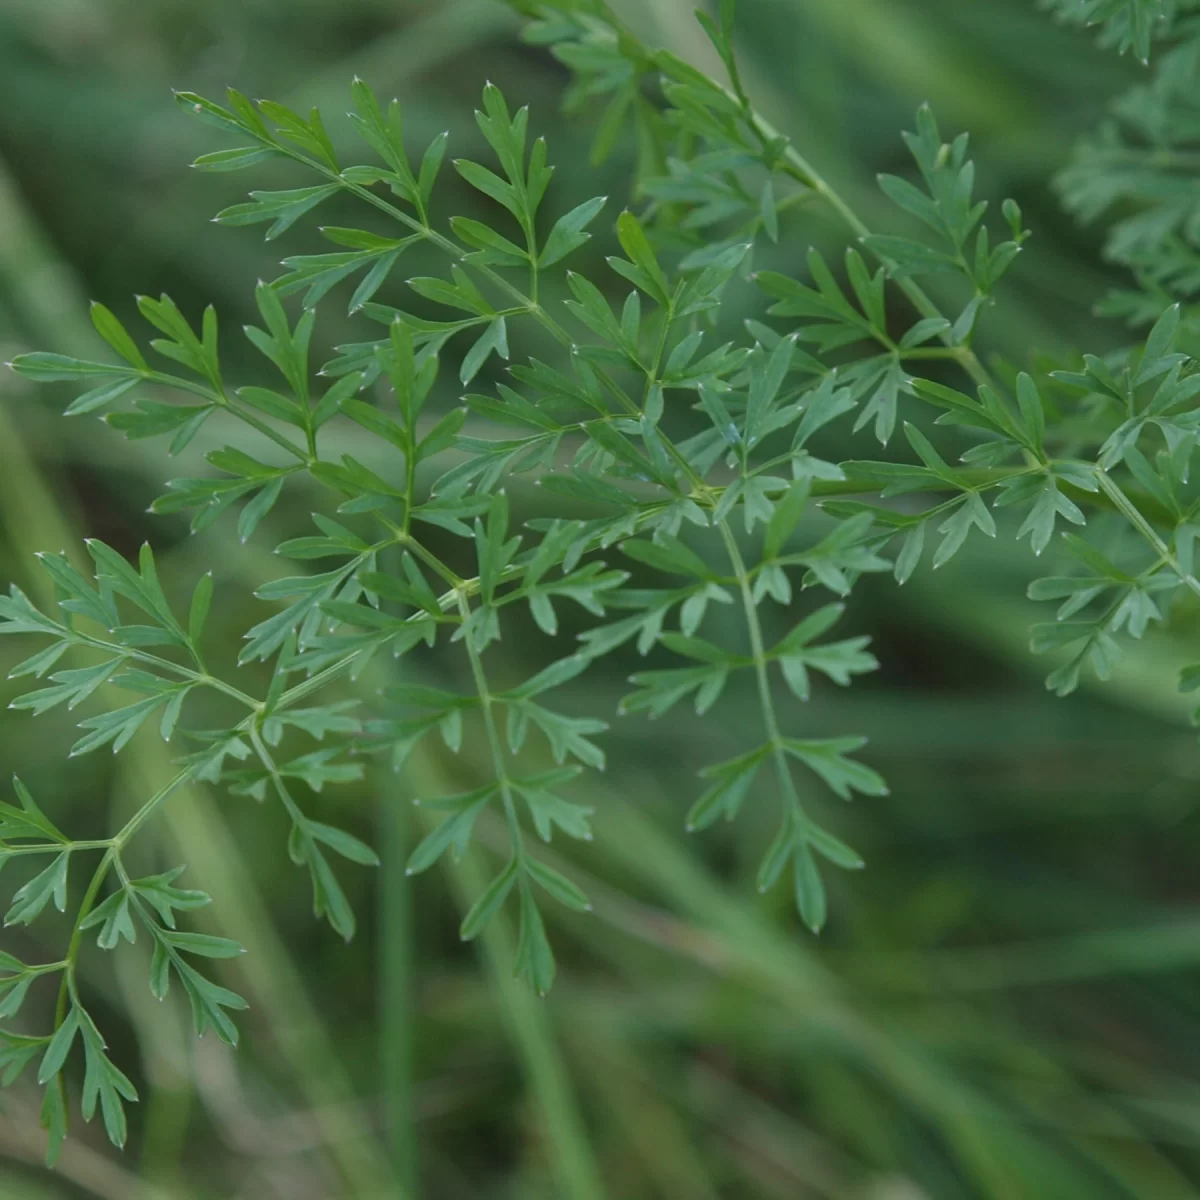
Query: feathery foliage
{"x": 695, "y": 450}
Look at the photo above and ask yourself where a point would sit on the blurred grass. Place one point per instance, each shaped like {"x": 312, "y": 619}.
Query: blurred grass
{"x": 1003, "y": 1005}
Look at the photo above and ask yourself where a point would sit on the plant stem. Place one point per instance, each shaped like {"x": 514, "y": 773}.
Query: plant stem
{"x": 201, "y": 679}
{"x": 66, "y": 988}
{"x": 493, "y": 736}
{"x": 281, "y": 789}
{"x": 220, "y": 399}
{"x": 547, "y": 1072}
{"x": 1133, "y": 515}
{"x": 143, "y": 814}
{"x": 758, "y": 651}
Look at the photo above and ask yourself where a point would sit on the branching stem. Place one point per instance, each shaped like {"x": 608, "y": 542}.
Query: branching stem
{"x": 1133, "y": 515}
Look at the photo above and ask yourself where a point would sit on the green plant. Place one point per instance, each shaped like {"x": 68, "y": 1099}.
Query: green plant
{"x": 701, "y": 457}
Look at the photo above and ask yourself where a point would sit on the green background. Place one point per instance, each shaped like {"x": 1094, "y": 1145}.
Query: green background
{"x": 1003, "y": 1004}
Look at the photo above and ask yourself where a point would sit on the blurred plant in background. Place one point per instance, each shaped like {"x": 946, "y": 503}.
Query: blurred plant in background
{"x": 1000, "y": 1007}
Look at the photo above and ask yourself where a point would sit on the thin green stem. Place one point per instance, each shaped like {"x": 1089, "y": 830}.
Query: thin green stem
{"x": 758, "y": 650}
{"x": 123, "y": 836}
{"x": 269, "y": 432}
{"x": 402, "y": 537}
{"x": 281, "y": 789}
{"x": 432, "y": 561}
{"x": 66, "y": 989}
{"x": 486, "y": 701}
{"x": 222, "y": 400}
{"x": 792, "y": 811}
{"x": 548, "y": 1076}
{"x": 306, "y": 687}
{"x": 44, "y": 968}
{"x": 532, "y": 250}
{"x": 112, "y": 849}
{"x": 1134, "y": 516}
{"x": 165, "y": 664}
{"x": 56, "y": 847}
